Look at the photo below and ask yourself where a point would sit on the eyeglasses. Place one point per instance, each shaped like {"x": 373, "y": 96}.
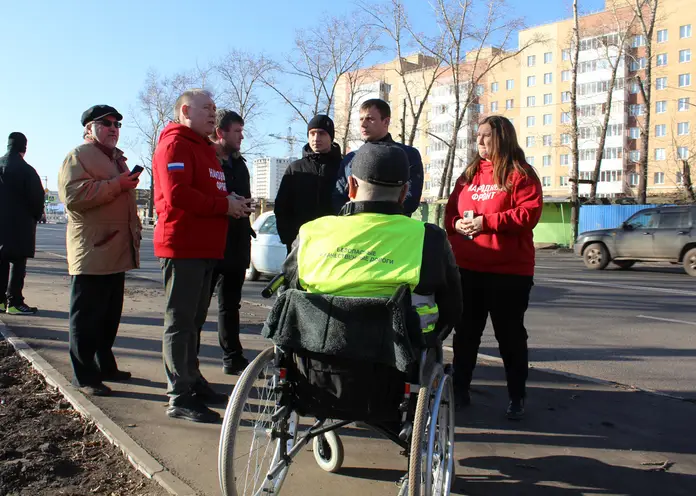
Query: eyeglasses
{"x": 106, "y": 123}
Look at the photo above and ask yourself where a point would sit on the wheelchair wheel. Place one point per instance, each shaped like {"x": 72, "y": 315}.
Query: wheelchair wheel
{"x": 328, "y": 451}
{"x": 250, "y": 441}
{"x": 431, "y": 463}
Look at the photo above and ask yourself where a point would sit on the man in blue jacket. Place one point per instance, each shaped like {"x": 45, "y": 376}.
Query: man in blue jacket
{"x": 375, "y": 116}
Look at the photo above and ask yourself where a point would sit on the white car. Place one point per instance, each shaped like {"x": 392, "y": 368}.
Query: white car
{"x": 267, "y": 252}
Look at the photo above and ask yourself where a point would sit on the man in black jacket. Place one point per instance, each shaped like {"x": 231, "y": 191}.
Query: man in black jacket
{"x": 21, "y": 207}
{"x": 228, "y": 277}
{"x": 306, "y": 188}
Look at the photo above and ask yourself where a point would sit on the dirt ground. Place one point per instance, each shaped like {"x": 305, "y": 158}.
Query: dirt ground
{"x": 47, "y": 448}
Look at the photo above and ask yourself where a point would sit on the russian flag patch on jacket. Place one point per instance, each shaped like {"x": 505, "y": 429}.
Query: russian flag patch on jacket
{"x": 175, "y": 166}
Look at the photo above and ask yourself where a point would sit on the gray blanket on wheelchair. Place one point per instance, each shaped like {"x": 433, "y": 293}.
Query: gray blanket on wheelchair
{"x": 375, "y": 330}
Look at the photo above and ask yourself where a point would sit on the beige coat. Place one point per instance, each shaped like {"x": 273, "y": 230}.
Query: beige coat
{"x": 103, "y": 235}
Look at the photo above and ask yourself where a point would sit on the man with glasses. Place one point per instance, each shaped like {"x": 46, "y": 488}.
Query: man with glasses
{"x": 103, "y": 242}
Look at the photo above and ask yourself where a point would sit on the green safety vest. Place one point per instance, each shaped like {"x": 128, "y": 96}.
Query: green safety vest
{"x": 364, "y": 255}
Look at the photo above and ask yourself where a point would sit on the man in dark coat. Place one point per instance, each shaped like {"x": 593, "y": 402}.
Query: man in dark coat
{"x": 21, "y": 207}
{"x": 228, "y": 277}
{"x": 306, "y": 188}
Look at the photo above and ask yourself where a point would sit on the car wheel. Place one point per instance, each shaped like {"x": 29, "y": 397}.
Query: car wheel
{"x": 624, "y": 264}
{"x": 252, "y": 274}
{"x": 690, "y": 262}
{"x": 596, "y": 256}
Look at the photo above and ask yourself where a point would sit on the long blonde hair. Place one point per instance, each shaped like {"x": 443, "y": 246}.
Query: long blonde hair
{"x": 507, "y": 155}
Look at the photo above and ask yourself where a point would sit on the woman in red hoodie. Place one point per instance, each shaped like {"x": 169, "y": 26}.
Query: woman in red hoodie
{"x": 490, "y": 215}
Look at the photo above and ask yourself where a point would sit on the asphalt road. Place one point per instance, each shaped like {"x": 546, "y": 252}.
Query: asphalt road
{"x": 635, "y": 327}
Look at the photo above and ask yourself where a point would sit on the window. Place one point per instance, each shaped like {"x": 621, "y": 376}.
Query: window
{"x": 635, "y": 88}
{"x": 531, "y": 60}
{"x": 269, "y": 227}
{"x": 548, "y": 58}
{"x": 509, "y": 103}
{"x": 661, "y": 107}
{"x": 638, "y": 41}
{"x": 565, "y": 117}
{"x": 547, "y": 160}
{"x": 662, "y": 36}
{"x": 509, "y": 84}
{"x": 684, "y": 104}
{"x": 531, "y": 101}
{"x": 547, "y": 119}
{"x": 682, "y": 153}
{"x": 661, "y": 130}
{"x": 685, "y": 31}
{"x": 548, "y": 78}
{"x": 547, "y": 140}
{"x": 634, "y": 133}
{"x": 659, "y": 153}
{"x": 661, "y": 59}
{"x": 661, "y": 83}
{"x": 635, "y": 110}
{"x": 531, "y": 121}
{"x": 565, "y": 159}
{"x": 659, "y": 178}
{"x": 684, "y": 80}
{"x": 674, "y": 219}
{"x": 634, "y": 156}
{"x": 494, "y": 106}
{"x": 680, "y": 178}
{"x": 565, "y": 76}
{"x": 531, "y": 81}
{"x": 529, "y": 160}
{"x": 565, "y": 96}
{"x": 638, "y": 64}
{"x": 494, "y": 87}
{"x": 546, "y": 181}
{"x": 633, "y": 178}
{"x": 565, "y": 54}
{"x": 565, "y": 139}
{"x": 684, "y": 56}
{"x": 548, "y": 99}
{"x": 481, "y": 109}
{"x": 479, "y": 89}
{"x": 683, "y": 128}
{"x": 531, "y": 141}
{"x": 642, "y": 220}
{"x": 563, "y": 181}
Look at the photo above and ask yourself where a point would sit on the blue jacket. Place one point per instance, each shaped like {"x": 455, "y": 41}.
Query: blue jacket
{"x": 415, "y": 190}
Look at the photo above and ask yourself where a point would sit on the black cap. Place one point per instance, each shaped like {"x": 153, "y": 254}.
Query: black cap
{"x": 17, "y": 142}
{"x": 322, "y": 122}
{"x": 381, "y": 163}
{"x": 99, "y": 111}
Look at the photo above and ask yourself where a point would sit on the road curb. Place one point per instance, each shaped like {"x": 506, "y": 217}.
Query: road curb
{"x": 136, "y": 455}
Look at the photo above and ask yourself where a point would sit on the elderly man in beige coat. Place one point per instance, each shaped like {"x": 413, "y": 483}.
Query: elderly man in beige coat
{"x": 103, "y": 242}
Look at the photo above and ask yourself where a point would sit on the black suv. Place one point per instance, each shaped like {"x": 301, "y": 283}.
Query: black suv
{"x": 664, "y": 234}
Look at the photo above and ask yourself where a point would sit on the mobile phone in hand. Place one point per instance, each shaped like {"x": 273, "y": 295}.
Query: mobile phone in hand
{"x": 468, "y": 215}
{"x": 137, "y": 169}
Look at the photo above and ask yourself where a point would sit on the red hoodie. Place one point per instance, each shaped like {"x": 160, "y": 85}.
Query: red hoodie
{"x": 190, "y": 196}
{"x": 506, "y": 243}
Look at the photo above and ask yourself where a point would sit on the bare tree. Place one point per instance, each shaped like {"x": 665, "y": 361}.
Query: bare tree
{"x": 357, "y": 87}
{"x": 469, "y": 28}
{"x": 336, "y": 46}
{"x": 574, "y": 200}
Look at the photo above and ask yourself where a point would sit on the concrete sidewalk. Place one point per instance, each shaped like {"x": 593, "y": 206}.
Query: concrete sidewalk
{"x": 580, "y": 437}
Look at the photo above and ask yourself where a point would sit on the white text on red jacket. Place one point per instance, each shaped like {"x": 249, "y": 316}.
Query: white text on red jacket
{"x": 483, "y": 192}
{"x": 220, "y": 176}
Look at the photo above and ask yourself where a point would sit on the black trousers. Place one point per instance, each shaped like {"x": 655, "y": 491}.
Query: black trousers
{"x": 228, "y": 284}
{"x": 96, "y": 303}
{"x": 12, "y": 293}
{"x": 505, "y": 298}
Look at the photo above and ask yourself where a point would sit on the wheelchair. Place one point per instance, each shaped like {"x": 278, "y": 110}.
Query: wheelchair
{"x": 261, "y": 432}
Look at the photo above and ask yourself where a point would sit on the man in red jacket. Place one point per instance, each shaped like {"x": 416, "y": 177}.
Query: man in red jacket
{"x": 192, "y": 207}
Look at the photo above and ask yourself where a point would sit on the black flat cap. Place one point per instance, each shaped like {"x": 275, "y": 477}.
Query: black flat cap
{"x": 381, "y": 163}
{"x": 97, "y": 112}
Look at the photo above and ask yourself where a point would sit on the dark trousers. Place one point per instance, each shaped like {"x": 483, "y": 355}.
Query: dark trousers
{"x": 505, "y": 298}
{"x": 187, "y": 297}
{"x": 12, "y": 292}
{"x": 96, "y": 303}
{"x": 229, "y": 292}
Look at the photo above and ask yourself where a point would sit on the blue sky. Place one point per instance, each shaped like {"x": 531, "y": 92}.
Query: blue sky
{"x": 59, "y": 58}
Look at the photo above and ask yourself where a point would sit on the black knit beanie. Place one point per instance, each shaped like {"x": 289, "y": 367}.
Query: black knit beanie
{"x": 322, "y": 122}
{"x": 17, "y": 142}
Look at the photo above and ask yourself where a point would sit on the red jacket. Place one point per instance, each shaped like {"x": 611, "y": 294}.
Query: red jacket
{"x": 190, "y": 196}
{"x": 506, "y": 244}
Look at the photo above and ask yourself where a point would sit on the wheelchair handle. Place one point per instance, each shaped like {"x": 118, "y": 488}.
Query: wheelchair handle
{"x": 273, "y": 286}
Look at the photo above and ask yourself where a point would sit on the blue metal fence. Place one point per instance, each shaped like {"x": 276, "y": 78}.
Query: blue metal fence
{"x": 606, "y": 216}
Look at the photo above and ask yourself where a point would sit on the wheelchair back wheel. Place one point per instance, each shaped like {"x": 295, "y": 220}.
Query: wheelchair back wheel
{"x": 252, "y": 441}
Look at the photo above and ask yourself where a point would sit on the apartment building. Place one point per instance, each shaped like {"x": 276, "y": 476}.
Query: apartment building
{"x": 533, "y": 90}
{"x": 267, "y": 172}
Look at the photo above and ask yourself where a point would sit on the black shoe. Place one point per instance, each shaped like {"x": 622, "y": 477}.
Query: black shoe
{"x": 515, "y": 409}
{"x": 208, "y": 395}
{"x": 193, "y": 409}
{"x": 95, "y": 390}
{"x": 462, "y": 399}
{"x": 117, "y": 376}
{"x": 21, "y": 309}
{"x": 235, "y": 365}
